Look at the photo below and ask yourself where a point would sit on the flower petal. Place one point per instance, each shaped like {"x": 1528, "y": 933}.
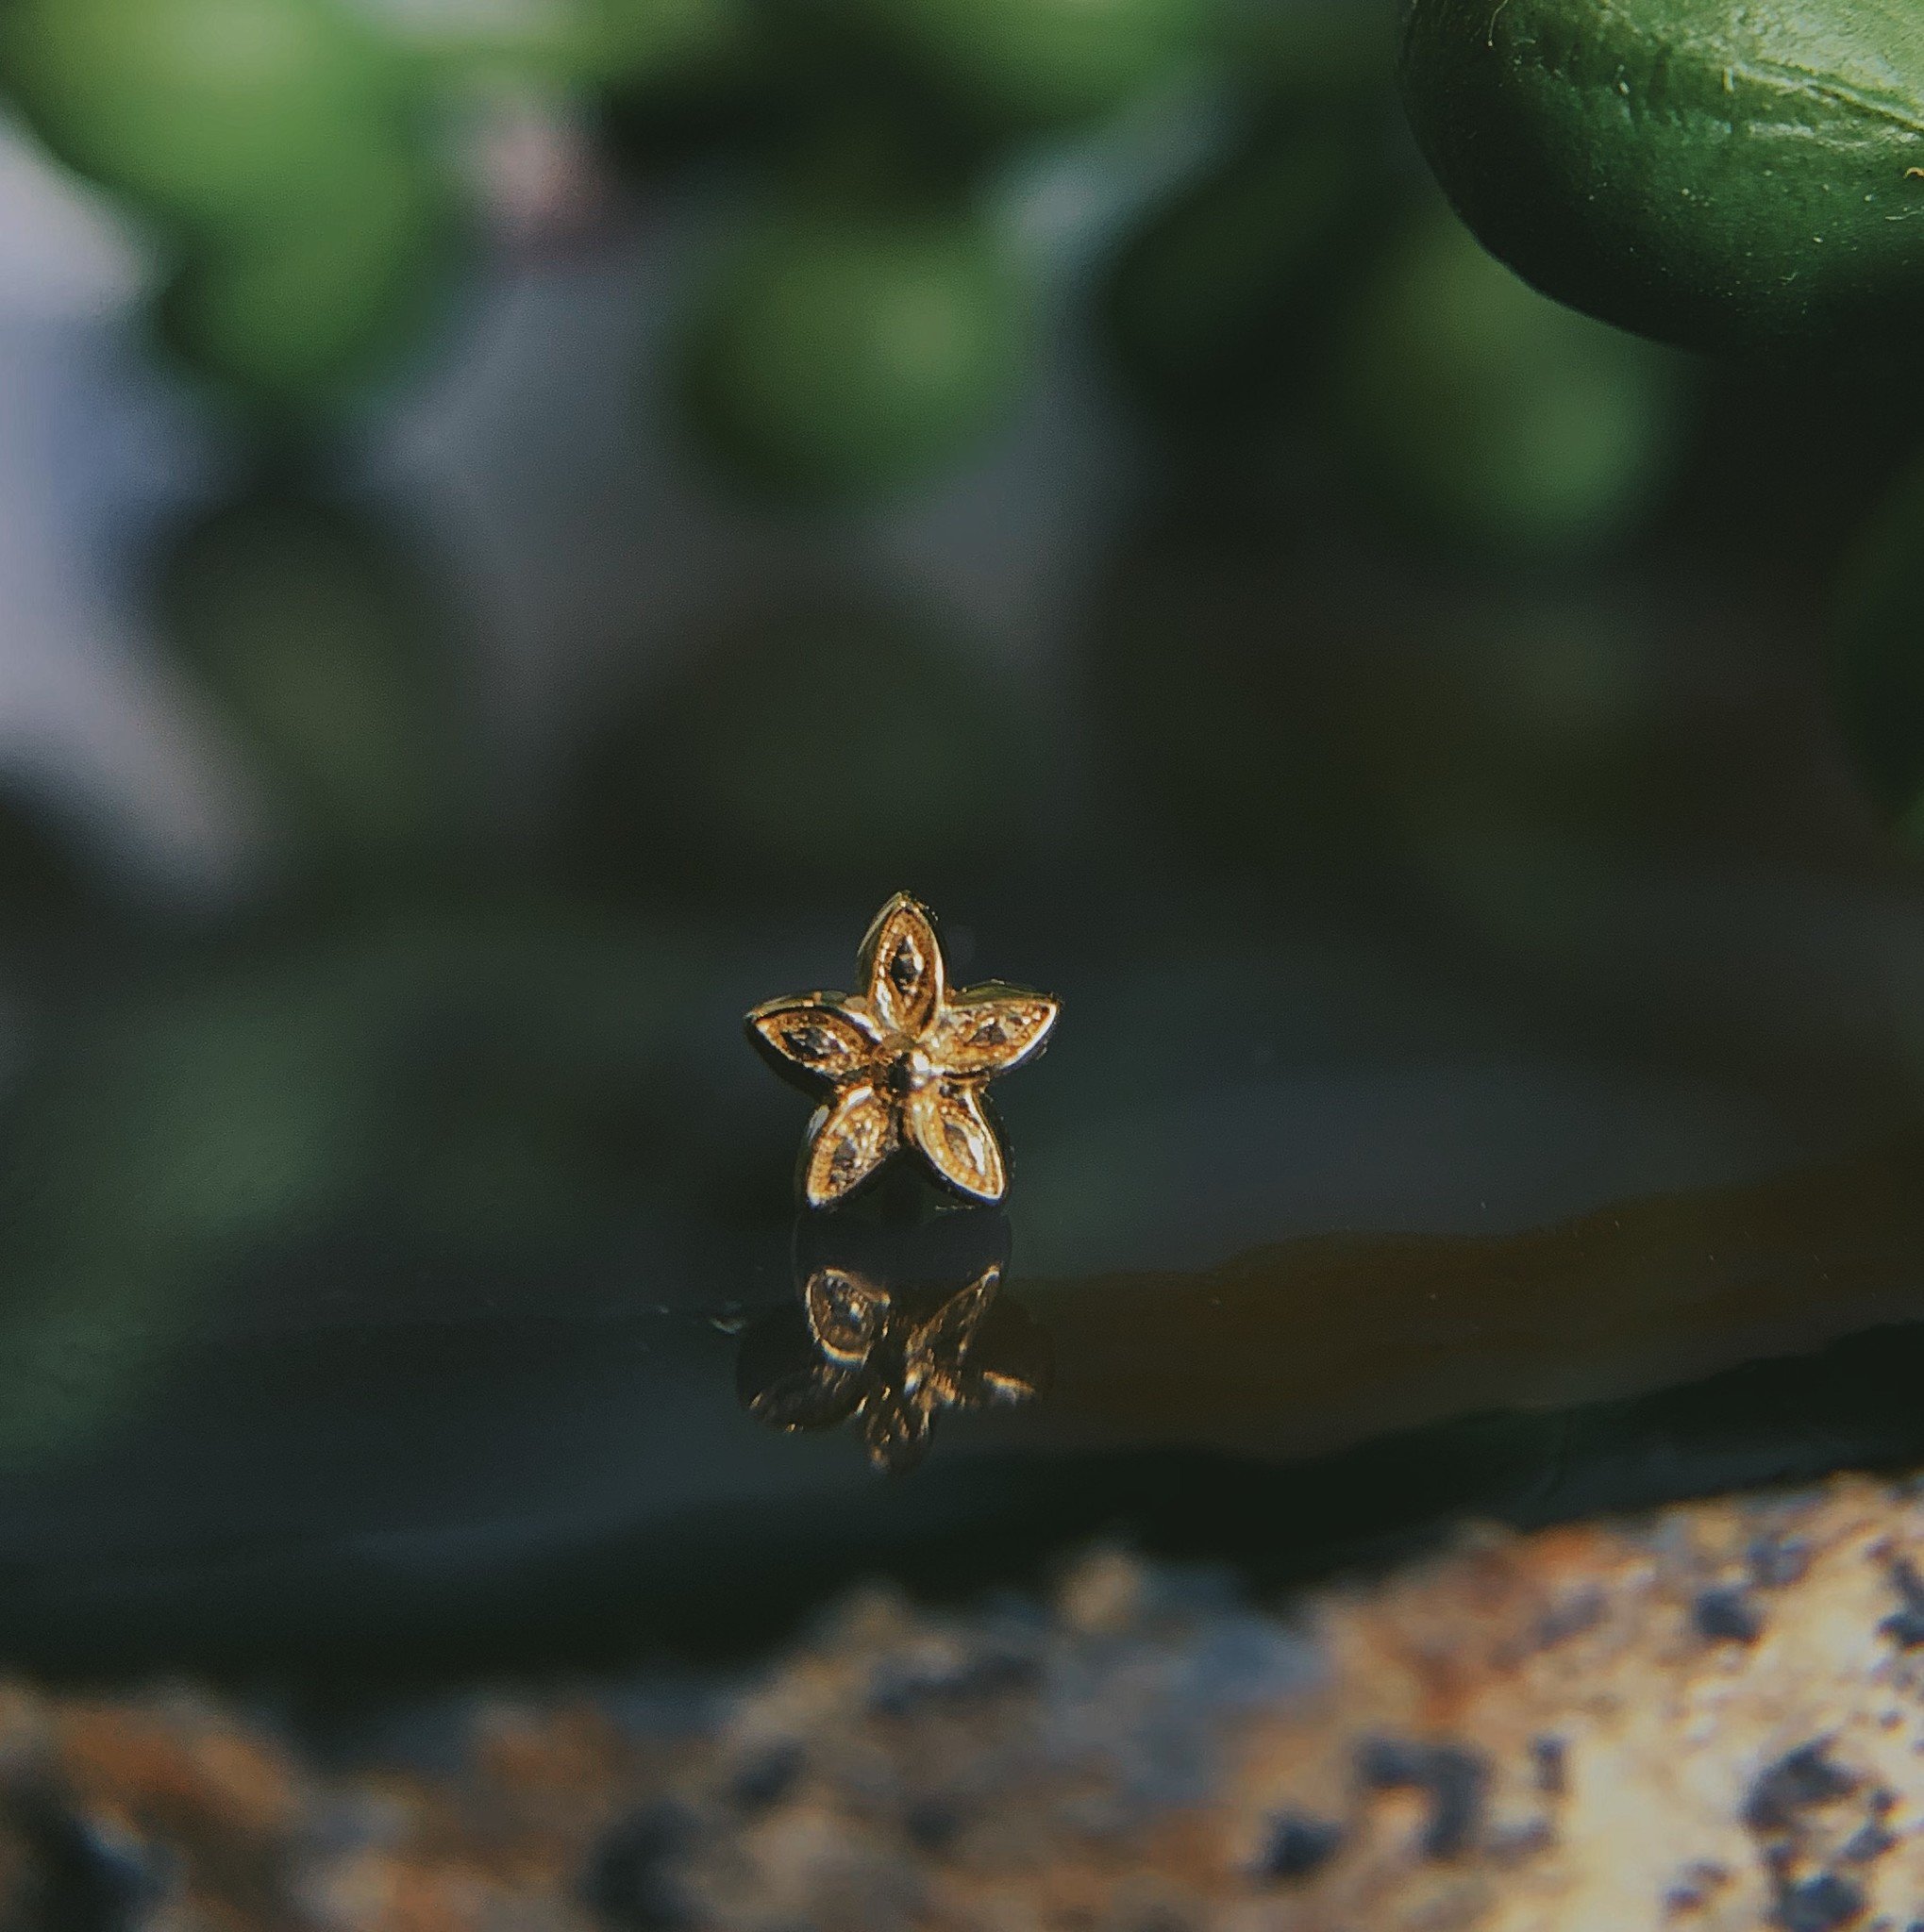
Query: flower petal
{"x": 817, "y": 1397}
{"x": 935, "y": 1352}
{"x": 947, "y": 1123}
{"x": 847, "y": 1143}
{"x": 783, "y": 1380}
{"x": 845, "y": 1314}
{"x": 1009, "y": 1360}
{"x": 901, "y": 963}
{"x": 817, "y": 1033}
{"x": 988, "y": 1029}
{"x": 895, "y": 1431}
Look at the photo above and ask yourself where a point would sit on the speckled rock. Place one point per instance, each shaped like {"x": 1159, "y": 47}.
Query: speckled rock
{"x": 1711, "y": 1719}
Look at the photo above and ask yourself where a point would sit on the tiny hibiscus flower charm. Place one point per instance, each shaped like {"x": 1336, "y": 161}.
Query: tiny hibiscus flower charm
{"x": 903, "y": 1063}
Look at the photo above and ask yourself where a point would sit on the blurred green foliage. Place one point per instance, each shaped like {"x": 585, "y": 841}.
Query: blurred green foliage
{"x": 1506, "y": 418}
{"x": 163, "y": 1134}
{"x": 383, "y": 1048}
{"x": 1223, "y": 297}
{"x": 651, "y": 45}
{"x": 50, "y": 885}
{"x": 230, "y": 117}
{"x": 1357, "y": 714}
{"x": 841, "y": 354}
{"x": 299, "y": 321}
{"x": 312, "y": 631}
{"x": 1017, "y": 65}
{"x": 877, "y": 314}
{"x": 1879, "y": 656}
{"x": 725, "y": 778}
{"x": 278, "y": 146}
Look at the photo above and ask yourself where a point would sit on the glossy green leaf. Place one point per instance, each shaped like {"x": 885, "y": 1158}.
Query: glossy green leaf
{"x": 1721, "y": 174}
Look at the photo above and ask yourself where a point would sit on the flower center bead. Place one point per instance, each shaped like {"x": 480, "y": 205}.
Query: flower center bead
{"x": 908, "y": 1069}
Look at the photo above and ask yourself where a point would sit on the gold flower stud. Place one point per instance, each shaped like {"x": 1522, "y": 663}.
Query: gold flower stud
{"x": 903, "y": 1063}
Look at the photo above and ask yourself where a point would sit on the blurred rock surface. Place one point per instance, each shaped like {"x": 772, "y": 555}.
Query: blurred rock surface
{"x": 1711, "y": 1718}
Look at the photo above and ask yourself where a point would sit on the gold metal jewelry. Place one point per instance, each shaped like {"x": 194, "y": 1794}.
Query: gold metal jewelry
{"x": 903, "y": 1063}
{"x": 894, "y": 1360}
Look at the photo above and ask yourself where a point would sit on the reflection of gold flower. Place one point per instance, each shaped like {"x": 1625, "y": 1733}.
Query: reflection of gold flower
{"x": 905, "y": 1062}
{"x": 895, "y": 1360}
